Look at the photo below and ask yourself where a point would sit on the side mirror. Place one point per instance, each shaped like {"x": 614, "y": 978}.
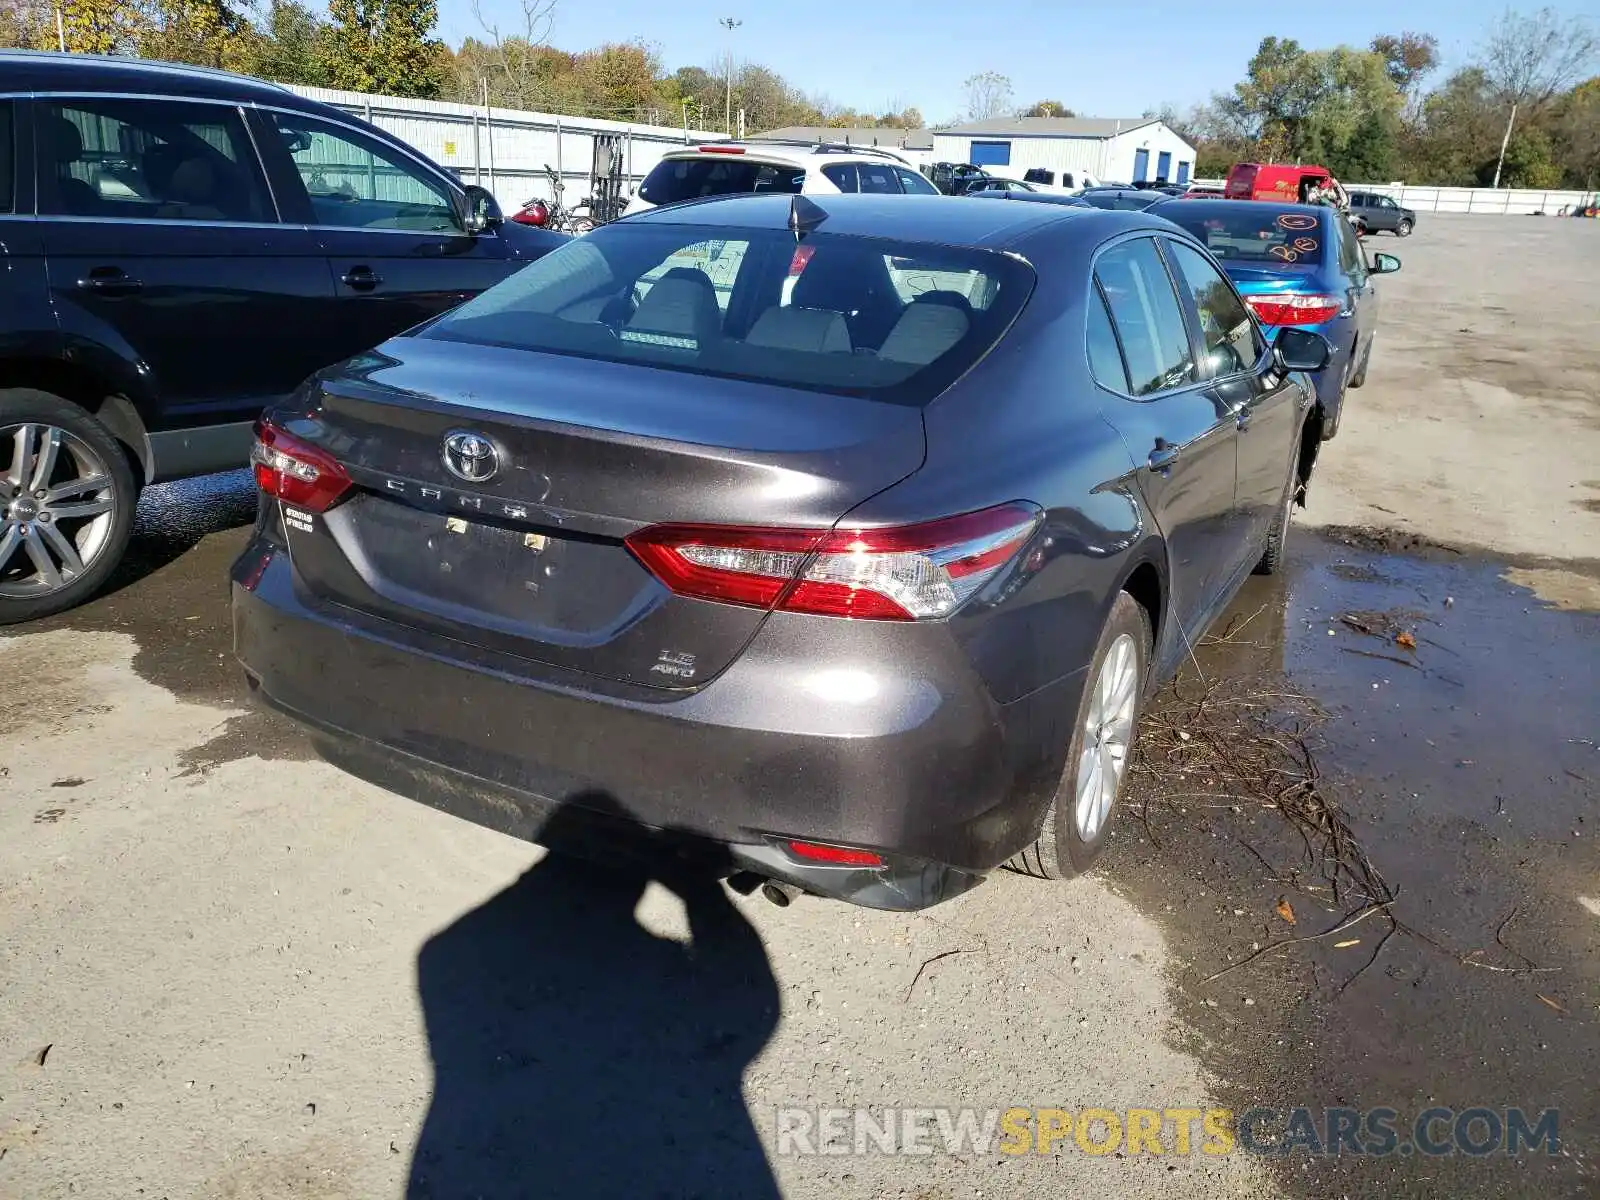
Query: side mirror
{"x": 480, "y": 210}
{"x": 1301, "y": 350}
{"x": 1384, "y": 264}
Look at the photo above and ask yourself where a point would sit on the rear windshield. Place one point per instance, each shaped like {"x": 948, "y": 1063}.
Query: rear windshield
{"x": 868, "y": 317}
{"x": 1260, "y": 234}
{"x": 677, "y": 179}
{"x": 1120, "y": 200}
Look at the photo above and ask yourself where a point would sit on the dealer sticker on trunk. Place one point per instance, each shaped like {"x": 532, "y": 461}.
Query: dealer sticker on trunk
{"x": 295, "y": 519}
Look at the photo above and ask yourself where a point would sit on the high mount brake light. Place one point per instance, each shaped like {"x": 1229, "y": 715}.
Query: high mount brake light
{"x": 721, "y": 149}
{"x": 294, "y": 472}
{"x": 903, "y": 573}
{"x": 1292, "y": 308}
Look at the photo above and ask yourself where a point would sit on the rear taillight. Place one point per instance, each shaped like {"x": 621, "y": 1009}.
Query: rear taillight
{"x": 1294, "y": 309}
{"x": 906, "y": 573}
{"x": 295, "y": 472}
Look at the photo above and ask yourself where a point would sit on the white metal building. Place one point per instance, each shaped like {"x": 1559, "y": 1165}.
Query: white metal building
{"x": 505, "y": 150}
{"x": 1129, "y": 150}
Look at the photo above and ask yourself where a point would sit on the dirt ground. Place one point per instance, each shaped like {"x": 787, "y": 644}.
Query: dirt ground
{"x": 229, "y": 970}
{"x": 1479, "y": 425}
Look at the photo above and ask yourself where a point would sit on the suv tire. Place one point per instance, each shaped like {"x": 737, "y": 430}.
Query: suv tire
{"x": 1403, "y": 229}
{"x": 66, "y": 508}
{"x": 1076, "y": 827}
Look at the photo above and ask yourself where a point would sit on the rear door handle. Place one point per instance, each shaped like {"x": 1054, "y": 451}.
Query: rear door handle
{"x": 1163, "y": 456}
{"x": 361, "y": 279}
{"x": 110, "y": 281}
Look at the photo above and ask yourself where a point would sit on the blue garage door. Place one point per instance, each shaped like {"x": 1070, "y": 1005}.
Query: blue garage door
{"x": 1183, "y": 172}
{"x": 991, "y": 154}
{"x": 1141, "y": 165}
{"x": 1164, "y": 167}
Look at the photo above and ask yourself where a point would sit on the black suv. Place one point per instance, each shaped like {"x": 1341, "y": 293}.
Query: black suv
{"x": 178, "y": 249}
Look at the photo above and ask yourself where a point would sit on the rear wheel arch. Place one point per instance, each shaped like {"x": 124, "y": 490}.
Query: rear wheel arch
{"x": 90, "y": 392}
{"x": 1144, "y": 584}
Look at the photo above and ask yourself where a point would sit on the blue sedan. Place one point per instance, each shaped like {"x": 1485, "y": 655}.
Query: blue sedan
{"x": 1296, "y": 265}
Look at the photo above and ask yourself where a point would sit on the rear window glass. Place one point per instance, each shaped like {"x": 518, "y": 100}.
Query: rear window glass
{"x": 677, "y": 179}
{"x": 868, "y": 317}
{"x": 1119, "y": 200}
{"x": 1254, "y": 233}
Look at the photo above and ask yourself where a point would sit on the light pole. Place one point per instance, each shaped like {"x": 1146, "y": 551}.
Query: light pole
{"x": 730, "y": 24}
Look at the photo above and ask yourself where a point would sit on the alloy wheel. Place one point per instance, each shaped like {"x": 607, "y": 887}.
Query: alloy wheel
{"x": 1107, "y": 736}
{"x": 58, "y": 504}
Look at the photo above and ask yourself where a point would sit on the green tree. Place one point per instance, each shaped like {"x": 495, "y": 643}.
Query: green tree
{"x": 1047, "y": 108}
{"x": 292, "y": 47}
{"x": 385, "y": 46}
{"x": 1529, "y": 162}
{"x": 1408, "y": 58}
{"x": 1577, "y": 135}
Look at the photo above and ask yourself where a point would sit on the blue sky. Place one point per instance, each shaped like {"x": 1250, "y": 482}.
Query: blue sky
{"x": 1109, "y": 59}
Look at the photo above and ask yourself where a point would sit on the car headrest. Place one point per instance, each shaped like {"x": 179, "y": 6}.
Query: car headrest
{"x": 818, "y": 330}
{"x": 926, "y": 330}
{"x": 69, "y": 141}
{"x": 682, "y": 303}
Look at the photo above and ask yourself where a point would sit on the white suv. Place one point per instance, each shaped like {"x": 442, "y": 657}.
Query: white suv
{"x": 754, "y": 165}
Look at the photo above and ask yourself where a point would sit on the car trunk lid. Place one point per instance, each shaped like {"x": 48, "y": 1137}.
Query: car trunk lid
{"x": 527, "y": 562}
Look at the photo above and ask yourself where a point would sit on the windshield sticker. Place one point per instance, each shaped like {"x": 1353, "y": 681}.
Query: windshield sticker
{"x": 1296, "y": 221}
{"x": 1304, "y": 244}
{"x": 1286, "y": 253}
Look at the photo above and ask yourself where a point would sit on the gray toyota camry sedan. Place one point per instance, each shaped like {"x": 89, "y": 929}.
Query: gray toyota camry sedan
{"x": 839, "y": 539}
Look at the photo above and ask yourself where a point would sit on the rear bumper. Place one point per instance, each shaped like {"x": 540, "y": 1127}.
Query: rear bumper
{"x": 908, "y": 757}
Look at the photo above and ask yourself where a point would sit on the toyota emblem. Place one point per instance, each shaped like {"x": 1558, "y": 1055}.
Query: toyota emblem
{"x": 470, "y": 456}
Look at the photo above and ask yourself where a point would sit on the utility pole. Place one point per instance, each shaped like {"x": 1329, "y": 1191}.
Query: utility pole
{"x": 1504, "y": 142}
{"x": 730, "y": 24}
{"x": 61, "y": 31}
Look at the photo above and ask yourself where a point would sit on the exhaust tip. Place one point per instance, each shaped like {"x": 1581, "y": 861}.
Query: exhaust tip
{"x": 781, "y": 894}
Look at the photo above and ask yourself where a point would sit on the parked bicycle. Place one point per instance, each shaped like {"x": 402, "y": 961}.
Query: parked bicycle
{"x": 554, "y": 213}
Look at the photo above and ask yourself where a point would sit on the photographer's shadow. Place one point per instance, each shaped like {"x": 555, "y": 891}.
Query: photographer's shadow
{"x": 578, "y": 1055}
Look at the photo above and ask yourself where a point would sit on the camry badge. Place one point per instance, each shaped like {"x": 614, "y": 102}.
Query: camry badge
{"x": 470, "y": 456}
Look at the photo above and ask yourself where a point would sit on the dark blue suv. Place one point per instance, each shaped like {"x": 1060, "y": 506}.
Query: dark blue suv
{"x": 180, "y": 248}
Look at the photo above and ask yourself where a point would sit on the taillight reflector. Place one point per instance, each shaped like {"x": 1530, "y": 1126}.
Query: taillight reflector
{"x": 840, "y": 856}
{"x": 1292, "y": 308}
{"x": 294, "y": 472}
{"x": 904, "y": 573}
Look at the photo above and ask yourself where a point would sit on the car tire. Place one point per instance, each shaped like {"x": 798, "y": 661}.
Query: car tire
{"x": 1275, "y": 553}
{"x": 1360, "y": 375}
{"x": 1403, "y": 229}
{"x": 86, "y": 472}
{"x": 1078, "y": 823}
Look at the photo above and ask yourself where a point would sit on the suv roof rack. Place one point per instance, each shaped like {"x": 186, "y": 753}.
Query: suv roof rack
{"x": 818, "y": 147}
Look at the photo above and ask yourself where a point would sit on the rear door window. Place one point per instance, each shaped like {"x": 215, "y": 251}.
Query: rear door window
{"x": 869, "y": 317}
{"x": 879, "y": 178}
{"x": 674, "y": 180}
{"x": 148, "y": 160}
{"x": 841, "y": 175}
{"x": 1105, "y": 357}
{"x": 1148, "y": 319}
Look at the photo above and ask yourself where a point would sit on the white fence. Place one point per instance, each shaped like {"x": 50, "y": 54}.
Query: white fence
{"x": 506, "y": 150}
{"x": 1517, "y": 201}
